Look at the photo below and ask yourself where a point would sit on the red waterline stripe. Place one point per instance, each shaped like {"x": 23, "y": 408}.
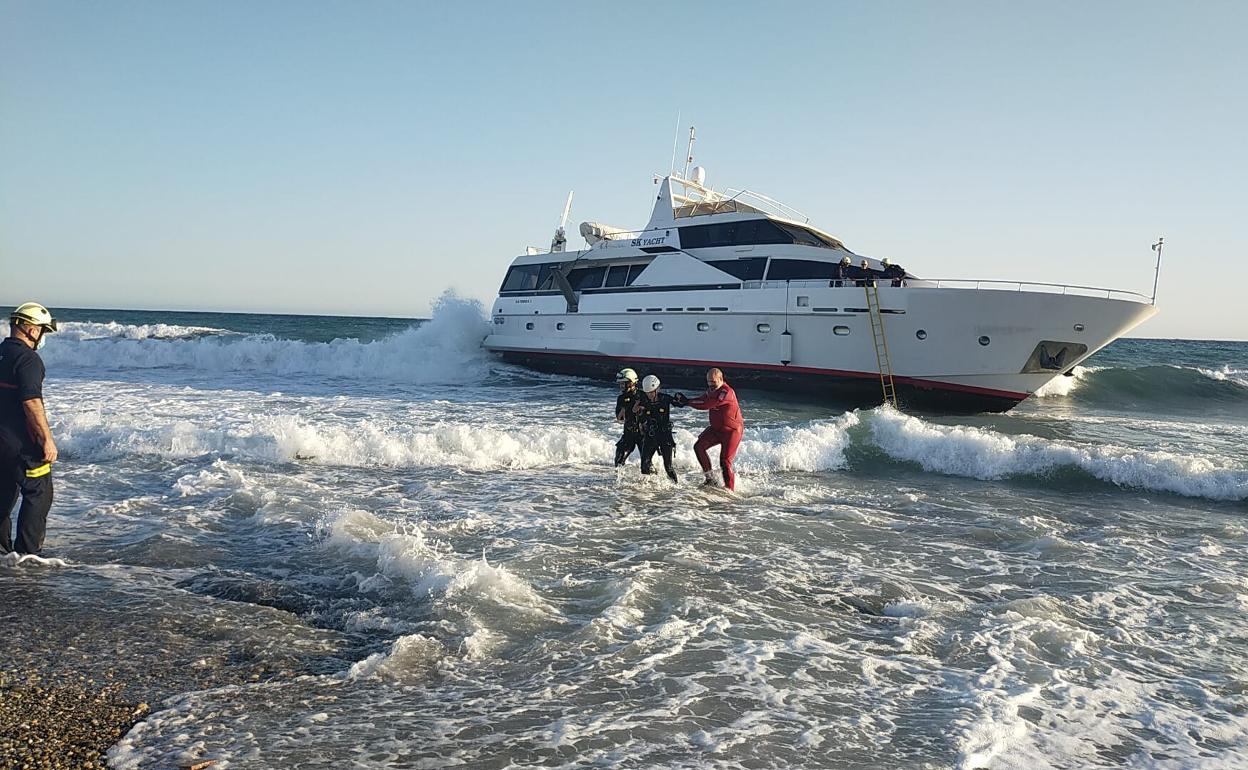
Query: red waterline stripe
{"x": 930, "y": 384}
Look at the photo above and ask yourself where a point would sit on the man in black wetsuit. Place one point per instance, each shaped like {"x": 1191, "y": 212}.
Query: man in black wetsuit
{"x": 27, "y": 450}
{"x": 654, "y": 409}
{"x": 624, "y": 403}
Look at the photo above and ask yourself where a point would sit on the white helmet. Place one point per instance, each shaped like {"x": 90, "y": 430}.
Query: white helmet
{"x": 34, "y": 314}
{"x": 650, "y": 384}
{"x": 625, "y": 375}
{"x": 886, "y": 262}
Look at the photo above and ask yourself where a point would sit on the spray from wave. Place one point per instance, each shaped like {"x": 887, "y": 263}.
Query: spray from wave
{"x": 446, "y": 349}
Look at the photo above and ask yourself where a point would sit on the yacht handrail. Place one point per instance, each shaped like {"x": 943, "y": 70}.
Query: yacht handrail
{"x": 979, "y": 284}
{"x": 783, "y": 209}
{"x": 711, "y": 196}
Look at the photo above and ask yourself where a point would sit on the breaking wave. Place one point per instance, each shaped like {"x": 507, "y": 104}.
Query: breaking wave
{"x": 446, "y": 349}
{"x": 855, "y": 438}
{"x": 1163, "y": 385}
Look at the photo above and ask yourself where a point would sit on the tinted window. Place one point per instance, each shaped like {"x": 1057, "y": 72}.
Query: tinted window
{"x": 805, "y": 237}
{"x": 796, "y": 269}
{"x": 744, "y": 269}
{"x": 546, "y": 278}
{"x": 748, "y": 232}
{"x": 587, "y": 277}
{"x": 617, "y": 275}
{"x": 522, "y": 278}
{"x": 633, "y": 272}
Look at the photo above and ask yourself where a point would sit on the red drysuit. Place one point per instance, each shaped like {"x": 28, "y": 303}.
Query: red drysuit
{"x": 725, "y": 430}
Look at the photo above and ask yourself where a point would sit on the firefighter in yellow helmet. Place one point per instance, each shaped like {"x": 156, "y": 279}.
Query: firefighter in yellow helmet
{"x": 27, "y": 450}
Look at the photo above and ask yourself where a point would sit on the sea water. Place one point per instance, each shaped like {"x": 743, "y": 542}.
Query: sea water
{"x": 364, "y": 543}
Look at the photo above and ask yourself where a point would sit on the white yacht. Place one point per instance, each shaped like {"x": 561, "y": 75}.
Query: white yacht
{"x": 737, "y": 280}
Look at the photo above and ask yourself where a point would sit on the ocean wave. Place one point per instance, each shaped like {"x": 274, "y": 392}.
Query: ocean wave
{"x": 446, "y": 349}
{"x": 1165, "y": 385}
{"x": 983, "y": 454}
{"x": 855, "y": 438}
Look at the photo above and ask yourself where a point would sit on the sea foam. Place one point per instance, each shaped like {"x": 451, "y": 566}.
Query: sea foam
{"x": 446, "y": 349}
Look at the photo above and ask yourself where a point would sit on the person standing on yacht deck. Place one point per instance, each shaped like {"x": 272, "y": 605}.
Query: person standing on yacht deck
{"x": 725, "y": 429}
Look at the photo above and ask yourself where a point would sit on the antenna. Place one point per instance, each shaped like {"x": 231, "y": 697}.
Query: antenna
{"x": 1157, "y": 270}
{"x": 675, "y": 141}
{"x": 560, "y": 241}
{"x": 567, "y": 209}
{"x": 689, "y": 154}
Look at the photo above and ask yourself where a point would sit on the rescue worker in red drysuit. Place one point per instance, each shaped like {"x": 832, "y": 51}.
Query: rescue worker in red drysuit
{"x": 725, "y": 429}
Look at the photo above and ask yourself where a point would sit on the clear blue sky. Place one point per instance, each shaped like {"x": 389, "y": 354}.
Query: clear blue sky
{"x": 337, "y": 157}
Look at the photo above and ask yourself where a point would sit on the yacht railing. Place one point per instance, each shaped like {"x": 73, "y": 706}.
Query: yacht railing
{"x": 958, "y": 283}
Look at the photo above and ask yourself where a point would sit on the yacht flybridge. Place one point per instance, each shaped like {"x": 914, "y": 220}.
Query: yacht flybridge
{"x": 736, "y": 280}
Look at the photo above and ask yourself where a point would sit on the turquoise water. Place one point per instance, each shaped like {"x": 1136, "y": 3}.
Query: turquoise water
{"x": 365, "y": 543}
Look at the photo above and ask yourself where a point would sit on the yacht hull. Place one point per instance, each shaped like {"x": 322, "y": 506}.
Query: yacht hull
{"x": 951, "y": 350}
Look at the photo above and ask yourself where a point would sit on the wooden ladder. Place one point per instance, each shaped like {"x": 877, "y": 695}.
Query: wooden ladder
{"x": 881, "y": 344}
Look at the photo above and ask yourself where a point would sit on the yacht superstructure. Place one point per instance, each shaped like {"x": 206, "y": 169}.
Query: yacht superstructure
{"x": 737, "y": 280}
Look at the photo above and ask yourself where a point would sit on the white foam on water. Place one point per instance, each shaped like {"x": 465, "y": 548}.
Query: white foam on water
{"x": 411, "y": 658}
{"x": 29, "y": 560}
{"x": 87, "y": 330}
{"x": 446, "y": 349}
{"x": 1062, "y": 385}
{"x": 1226, "y": 374}
{"x": 430, "y": 568}
{"x": 815, "y": 446}
{"x": 984, "y": 454}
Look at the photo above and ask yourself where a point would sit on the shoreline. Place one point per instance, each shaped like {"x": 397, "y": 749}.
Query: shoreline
{"x": 70, "y": 724}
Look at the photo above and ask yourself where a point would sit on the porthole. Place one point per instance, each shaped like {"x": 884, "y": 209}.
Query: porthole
{"x": 529, "y": 326}
{"x": 657, "y": 326}
{"x": 559, "y": 326}
{"x": 921, "y": 334}
{"x": 703, "y": 326}
{"x": 1079, "y": 327}
{"x": 763, "y": 328}
{"x": 983, "y": 340}
{"x": 840, "y": 331}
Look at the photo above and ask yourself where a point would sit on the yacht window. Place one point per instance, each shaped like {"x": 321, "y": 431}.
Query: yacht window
{"x": 559, "y": 326}
{"x": 804, "y": 237}
{"x": 763, "y": 328}
{"x": 546, "y": 278}
{"x": 587, "y": 277}
{"x": 633, "y": 272}
{"x": 617, "y": 275}
{"x": 744, "y": 233}
{"x": 799, "y": 269}
{"x": 529, "y": 326}
{"x": 703, "y": 326}
{"x": 522, "y": 278}
{"x": 751, "y": 232}
{"x": 749, "y": 269}
{"x": 840, "y": 331}
{"x": 657, "y": 326}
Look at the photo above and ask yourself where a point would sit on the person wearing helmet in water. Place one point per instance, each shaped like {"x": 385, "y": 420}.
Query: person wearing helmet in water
{"x": 654, "y": 411}
{"x": 624, "y": 403}
{"x": 720, "y": 400}
{"x": 27, "y": 450}
{"x": 840, "y": 271}
{"x": 893, "y": 272}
